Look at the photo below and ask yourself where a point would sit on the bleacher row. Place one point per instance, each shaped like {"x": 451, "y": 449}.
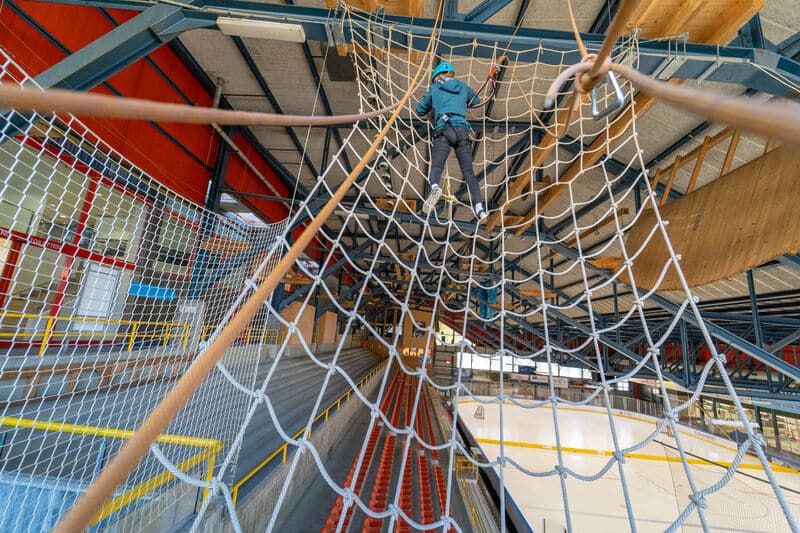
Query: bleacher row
{"x": 293, "y": 390}
{"x": 423, "y": 491}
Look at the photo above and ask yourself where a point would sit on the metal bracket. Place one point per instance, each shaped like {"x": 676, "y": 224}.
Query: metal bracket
{"x": 335, "y": 33}
{"x": 616, "y": 104}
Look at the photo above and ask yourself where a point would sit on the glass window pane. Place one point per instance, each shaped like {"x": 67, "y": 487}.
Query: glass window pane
{"x": 35, "y": 282}
{"x": 115, "y": 224}
{"x": 41, "y": 195}
{"x": 174, "y": 246}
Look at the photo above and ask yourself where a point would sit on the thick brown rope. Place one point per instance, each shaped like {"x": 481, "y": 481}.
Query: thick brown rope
{"x": 775, "y": 119}
{"x": 103, "y": 487}
{"x": 615, "y": 31}
{"x": 29, "y": 99}
{"x": 778, "y": 119}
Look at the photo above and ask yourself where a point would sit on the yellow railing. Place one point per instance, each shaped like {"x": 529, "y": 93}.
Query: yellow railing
{"x": 211, "y": 447}
{"x": 283, "y": 450}
{"x": 249, "y": 335}
{"x": 465, "y": 469}
{"x": 171, "y": 330}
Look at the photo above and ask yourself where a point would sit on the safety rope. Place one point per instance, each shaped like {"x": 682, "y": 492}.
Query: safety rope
{"x": 29, "y": 100}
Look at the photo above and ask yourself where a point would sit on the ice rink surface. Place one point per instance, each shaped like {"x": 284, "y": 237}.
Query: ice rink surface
{"x": 656, "y": 477}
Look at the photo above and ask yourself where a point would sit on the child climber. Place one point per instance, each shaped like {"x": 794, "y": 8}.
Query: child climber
{"x": 449, "y": 99}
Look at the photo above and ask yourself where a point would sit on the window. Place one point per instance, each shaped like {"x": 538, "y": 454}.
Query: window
{"x": 41, "y": 195}
{"x": 115, "y": 224}
{"x": 174, "y": 246}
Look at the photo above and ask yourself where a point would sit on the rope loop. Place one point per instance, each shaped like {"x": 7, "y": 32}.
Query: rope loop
{"x": 585, "y": 82}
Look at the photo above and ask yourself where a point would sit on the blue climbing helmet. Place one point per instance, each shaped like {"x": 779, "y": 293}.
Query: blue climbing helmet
{"x": 440, "y": 68}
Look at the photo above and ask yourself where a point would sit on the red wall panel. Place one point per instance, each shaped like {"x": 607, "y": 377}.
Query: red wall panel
{"x": 141, "y": 142}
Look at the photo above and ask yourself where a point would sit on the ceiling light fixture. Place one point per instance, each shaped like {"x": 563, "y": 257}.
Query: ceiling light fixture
{"x": 261, "y": 29}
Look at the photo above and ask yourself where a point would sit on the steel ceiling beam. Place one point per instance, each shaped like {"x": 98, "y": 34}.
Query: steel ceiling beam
{"x": 716, "y": 331}
{"x": 122, "y": 46}
{"x": 485, "y": 10}
{"x": 723, "y": 64}
{"x": 194, "y": 67}
{"x": 603, "y": 19}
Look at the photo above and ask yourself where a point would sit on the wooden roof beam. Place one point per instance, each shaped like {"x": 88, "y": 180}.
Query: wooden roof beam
{"x": 523, "y": 181}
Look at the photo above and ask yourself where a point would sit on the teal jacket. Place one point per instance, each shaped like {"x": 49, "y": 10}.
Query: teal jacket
{"x": 451, "y": 98}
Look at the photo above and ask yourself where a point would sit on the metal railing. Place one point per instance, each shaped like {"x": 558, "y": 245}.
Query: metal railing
{"x": 466, "y": 471}
{"x": 137, "y": 330}
{"x": 259, "y": 334}
{"x": 208, "y": 454}
{"x": 171, "y": 330}
{"x": 283, "y": 450}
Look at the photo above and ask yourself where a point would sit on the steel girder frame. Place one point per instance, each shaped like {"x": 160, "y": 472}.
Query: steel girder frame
{"x": 122, "y": 46}
{"x": 710, "y": 62}
{"x": 624, "y": 349}
{"x": 194, "y": 67}
{"x": 716, "y": 331}
{"x": 130, "y": 41}
{"x": 558, "y": 315}
{"x": 734, "y": 341}
{"x": 517, "y": 321}
{"x": 727, "y": 64}
{"x": 299, "y": 293}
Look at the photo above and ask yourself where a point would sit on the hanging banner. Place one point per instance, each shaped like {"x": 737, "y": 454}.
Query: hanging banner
{"x": 787, "y": 406}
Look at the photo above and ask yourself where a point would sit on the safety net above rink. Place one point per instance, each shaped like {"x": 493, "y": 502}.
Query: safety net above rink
{"x": 122, "y": 286}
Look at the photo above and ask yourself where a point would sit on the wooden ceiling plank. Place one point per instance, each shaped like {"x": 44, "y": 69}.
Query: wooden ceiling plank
{"x": 728, "y": 25}
{"x": 677, "y": 22}
{"x": 692, "y": 155}
{"x": 656, "y": 179}
{"x": 609, "y": 263}
{"x": 715, "y": 237}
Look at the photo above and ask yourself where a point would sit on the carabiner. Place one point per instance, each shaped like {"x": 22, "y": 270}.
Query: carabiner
{"x": 616, "y": 104}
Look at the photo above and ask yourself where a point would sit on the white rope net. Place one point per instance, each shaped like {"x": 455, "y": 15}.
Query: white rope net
{"x": 509, "y": 293}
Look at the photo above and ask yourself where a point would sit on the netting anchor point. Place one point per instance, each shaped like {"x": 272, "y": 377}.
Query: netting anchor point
{"x": 758, "y": 441}
{"x": 699, "y": 501}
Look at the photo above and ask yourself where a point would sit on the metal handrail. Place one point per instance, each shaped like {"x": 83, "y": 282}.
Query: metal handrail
{"x": 132, "y": 334}
{"x": 172, "y": 330}
{"x": 211, "y": 447}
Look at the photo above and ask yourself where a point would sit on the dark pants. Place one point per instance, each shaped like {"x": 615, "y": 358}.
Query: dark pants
{"x": 454, "y": 137}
